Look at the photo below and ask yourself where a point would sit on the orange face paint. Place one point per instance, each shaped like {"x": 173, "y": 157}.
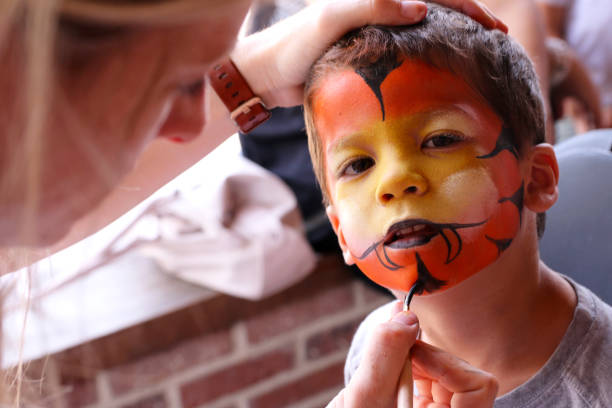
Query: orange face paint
{"x": 424, "y": 182}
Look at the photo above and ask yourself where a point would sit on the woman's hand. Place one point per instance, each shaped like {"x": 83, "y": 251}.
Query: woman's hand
{"x": 440, "y": 378}
{"x": 376, "y": 380}
{"x": 276, "y": 61}
{"x": 443, "y": 380}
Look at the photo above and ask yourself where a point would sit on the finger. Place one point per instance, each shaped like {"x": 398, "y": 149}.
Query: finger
{"x": 420, "y": 402}
{"x": 338, "y": 401}
{"x": 405, "y": 387}
{"x": 470, "y": 387}
{"x": 423, "y": 387}
{"x": 396, "y": 307}
{"x": 440, "y": 394}
{"x": 357, "y": 13}
{"x": 500, "y": 25}
{"x": 432, "y": 392}
{"x": 386, "y": 352}
{"x": 423, "y": 402}
{"x": 429, "y": 404}
{"x": 477, "y": 11}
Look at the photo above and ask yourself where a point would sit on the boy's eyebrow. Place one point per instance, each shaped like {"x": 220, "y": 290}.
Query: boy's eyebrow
{"x": 343, "y": 142}
{"x": 428, "y": 115}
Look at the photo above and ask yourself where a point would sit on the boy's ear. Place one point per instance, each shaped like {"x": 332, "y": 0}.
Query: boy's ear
{"x": 335, "y": 222}
{"x": 542, "y": 178}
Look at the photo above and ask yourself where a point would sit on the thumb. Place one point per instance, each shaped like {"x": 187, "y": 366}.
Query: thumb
{"x": 375, "y": 381}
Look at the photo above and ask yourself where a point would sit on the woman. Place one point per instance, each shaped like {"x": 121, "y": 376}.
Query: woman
{"x": 88, "y": 86}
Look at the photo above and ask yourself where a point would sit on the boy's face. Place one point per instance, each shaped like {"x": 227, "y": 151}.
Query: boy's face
{"x": 423, "y": 182}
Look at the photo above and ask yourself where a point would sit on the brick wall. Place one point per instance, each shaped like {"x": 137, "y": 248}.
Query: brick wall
{"x": 285, "y": 351}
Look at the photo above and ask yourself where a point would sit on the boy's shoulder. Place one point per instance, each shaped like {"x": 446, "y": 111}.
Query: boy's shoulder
{"x": 578, "y": 372}
{"x": 576, "y": 375}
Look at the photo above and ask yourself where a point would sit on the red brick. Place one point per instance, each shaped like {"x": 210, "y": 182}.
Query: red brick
{"x": 80, "y": 393}
{"x": 300, "y": 311}
{"x": 237, "y": 377}
{"x": 331, "y": 340}
{"x": 155, "y": 368}
{"x": 42, "y": 385}
{"x": 315, "y": 383}
{"x": 212, "y": 315}
{"x": 154, "y": 401}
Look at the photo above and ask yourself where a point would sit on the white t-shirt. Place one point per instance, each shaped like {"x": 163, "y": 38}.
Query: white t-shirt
{"x": 589, "y": 32}
{"x": 577, "y": 375}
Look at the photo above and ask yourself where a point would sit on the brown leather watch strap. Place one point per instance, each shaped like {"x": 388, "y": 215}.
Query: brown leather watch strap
{"x": 247, "y": 109}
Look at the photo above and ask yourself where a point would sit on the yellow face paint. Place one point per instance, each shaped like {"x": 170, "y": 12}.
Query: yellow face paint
{"x": 422, "y": 177}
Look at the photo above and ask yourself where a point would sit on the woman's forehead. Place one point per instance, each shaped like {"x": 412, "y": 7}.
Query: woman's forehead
{"x": 147, "y": 11}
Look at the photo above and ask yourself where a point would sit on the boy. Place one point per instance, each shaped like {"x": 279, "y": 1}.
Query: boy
{"x": 426, "y": 141}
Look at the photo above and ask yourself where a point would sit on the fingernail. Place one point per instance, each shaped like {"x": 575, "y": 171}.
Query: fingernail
{"x": 492, "y": 21}
{"x": 406, "y": 318}
{"x": 413, "y": 9}
{"x": 501, "y": 26}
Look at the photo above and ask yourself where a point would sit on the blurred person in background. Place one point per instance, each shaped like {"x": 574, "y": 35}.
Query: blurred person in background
{"x": 579, "y": 35}
{"x": 526, "y": 25}
{"x": 92, "y": 91}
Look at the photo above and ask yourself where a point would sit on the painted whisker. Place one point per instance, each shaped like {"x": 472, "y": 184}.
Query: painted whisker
{"x": 381, "y": 245}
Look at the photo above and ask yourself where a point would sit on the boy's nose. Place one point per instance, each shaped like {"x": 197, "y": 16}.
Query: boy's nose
{"x": 400, "y": 184}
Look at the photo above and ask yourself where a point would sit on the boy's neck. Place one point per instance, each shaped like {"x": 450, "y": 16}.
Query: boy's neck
{"x": 508, "y": 319}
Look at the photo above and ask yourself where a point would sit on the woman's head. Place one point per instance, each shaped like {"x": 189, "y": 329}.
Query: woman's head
{"x": 85, "y": 86}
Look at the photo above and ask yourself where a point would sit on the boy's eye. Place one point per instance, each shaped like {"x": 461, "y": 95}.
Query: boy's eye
{"x": 442, "y": 140}
{"x": 357, "y": 166}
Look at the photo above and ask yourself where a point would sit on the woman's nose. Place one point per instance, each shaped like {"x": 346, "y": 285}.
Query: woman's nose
{"x": 399, "y": 182}
{"x": 186, "y": 119}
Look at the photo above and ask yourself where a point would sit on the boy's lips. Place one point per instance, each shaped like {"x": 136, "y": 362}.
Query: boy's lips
{"x": 410, "y": 233}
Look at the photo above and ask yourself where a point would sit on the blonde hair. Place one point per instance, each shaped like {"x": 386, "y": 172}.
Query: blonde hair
{"x": 32, "y": 27}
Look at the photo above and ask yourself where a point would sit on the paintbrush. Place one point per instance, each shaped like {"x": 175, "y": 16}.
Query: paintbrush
{"x": 405, "y": 387}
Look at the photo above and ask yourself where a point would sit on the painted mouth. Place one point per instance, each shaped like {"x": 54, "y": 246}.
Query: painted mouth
{"x": 411, "y": 233}
{"x": 416, "y": 232}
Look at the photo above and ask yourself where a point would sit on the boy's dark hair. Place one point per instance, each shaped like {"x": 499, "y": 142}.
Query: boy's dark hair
{"x": 491, "y": 62}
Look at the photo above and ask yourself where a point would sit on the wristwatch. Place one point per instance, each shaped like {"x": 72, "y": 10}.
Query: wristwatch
{"x": 247, "y": 110}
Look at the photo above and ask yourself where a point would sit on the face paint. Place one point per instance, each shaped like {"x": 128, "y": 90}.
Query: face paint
{"x": 423, "y": 177}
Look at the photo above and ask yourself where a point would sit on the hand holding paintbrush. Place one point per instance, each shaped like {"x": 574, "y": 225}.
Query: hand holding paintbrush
{"x": 385, "y": 377}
